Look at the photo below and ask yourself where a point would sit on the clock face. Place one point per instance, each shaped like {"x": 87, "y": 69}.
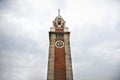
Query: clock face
{"x": 59, "y": 44}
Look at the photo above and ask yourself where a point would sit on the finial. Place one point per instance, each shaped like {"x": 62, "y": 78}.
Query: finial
{"x": 58, "y": 11}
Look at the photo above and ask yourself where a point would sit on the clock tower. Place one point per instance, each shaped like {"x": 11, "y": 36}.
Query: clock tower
{"x": 59, "y": 61}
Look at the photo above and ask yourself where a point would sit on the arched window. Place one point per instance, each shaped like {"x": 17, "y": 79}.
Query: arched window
{"x": 59, "y": 36}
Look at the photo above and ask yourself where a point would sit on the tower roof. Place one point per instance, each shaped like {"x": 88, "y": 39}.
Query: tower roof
{"x": 59, "y": 24}
{"x": 59, "y": 16}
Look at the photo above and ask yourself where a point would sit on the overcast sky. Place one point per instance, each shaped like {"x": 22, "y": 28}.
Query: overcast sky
{"x": 95, "y": 38}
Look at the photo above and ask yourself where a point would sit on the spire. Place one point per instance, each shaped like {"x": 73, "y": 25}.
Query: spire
{"x": 59, "y": 12}
{"x": 59, "y": 23}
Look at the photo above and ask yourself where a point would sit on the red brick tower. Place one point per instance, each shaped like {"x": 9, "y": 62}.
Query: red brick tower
{"x": 59, "y": 62}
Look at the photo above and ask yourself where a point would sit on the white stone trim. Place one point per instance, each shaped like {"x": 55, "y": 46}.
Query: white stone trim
{"x": 50, "y": 74}
{"x": 69, "y": 73}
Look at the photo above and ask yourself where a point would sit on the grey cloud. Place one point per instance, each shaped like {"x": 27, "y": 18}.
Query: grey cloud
{"x": 60, "y": 4}
{"x": 19, "y": 58}
{"x": 95, "y": 53}
{"x": 118, "y": 26}
{"x": 20, "y": 44}
{"x": 90, "y": 34}
{"x": 95, "y": 65}
{"x": 4, "y": 4}
{"x": 20, "y": 66}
